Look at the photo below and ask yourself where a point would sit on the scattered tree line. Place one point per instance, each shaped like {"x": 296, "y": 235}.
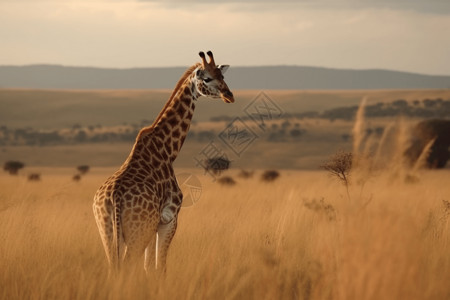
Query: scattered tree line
{"x": 13, "y": 167}
{"x": 75, "y": 135}
{"x": 426, "y": 108}
{"x": 285, "y": 131}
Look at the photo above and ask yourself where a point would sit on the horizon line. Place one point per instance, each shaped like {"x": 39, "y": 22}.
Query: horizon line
{"x": 238, "y": 66}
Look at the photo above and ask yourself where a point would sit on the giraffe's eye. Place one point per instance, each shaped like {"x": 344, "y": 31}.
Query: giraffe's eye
{"x": 207, "y": 80}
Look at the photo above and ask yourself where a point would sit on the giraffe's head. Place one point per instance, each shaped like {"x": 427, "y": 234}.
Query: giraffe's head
{"x": 210, "y": 81}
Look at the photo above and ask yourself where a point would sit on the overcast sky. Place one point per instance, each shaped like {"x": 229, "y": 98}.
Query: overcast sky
{"x": 405, "y": 35}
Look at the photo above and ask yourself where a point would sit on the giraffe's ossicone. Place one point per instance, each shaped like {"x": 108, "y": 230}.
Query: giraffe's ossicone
{"x": 136, "y": 209}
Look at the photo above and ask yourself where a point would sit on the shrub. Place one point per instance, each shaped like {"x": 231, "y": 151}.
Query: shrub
{"x": 34, "y": 177}
{"x": 270, "y": 175}
{"x": 226, "y": 180}
{"x": 339, "y": 165}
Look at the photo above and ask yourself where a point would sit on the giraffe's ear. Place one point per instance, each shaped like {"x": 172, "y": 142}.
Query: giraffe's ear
{"x": 223, "y": 68}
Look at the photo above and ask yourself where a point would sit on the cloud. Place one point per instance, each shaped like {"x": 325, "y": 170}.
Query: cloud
{"x": 424, "y": 6}
{"x": 131, "y": 33}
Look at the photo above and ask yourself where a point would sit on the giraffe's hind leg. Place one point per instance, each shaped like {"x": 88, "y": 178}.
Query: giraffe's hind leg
{"x": 104, "y": 220}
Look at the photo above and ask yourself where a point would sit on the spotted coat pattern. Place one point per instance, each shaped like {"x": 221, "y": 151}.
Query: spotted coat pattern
{"x": 136, "y": 209}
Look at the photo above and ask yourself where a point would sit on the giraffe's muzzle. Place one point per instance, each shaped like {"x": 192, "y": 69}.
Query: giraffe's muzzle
{"x": 227, "y": 96}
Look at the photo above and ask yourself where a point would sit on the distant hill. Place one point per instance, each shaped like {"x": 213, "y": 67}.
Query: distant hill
{"x": 268, "y": 77}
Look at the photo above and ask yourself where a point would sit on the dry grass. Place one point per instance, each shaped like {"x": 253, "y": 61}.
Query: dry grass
{"x": 300, "y": 237}
{"x": 304, "y": 236}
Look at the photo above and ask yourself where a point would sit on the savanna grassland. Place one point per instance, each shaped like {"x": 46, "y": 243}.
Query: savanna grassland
{"x": 299, "y": 237}
{"x": 382, "y": 233}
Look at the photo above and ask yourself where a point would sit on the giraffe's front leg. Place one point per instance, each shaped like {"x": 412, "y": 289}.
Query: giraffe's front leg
{"x": 163, "y": 239}
{"x": 167, "y": 222}
{"x": 150, "y": 256}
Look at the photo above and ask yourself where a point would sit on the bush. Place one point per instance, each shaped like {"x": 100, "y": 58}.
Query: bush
{"x": 226, "y": 180}
{"x": 270, "y": 175}
{"x": 339, "y": 165}
{"x": 34, "y": 177}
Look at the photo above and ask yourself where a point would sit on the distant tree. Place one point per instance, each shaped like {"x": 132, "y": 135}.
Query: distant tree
{"x": 217, "y": 164}
{"x": 83, "y": 169}
{"x": 13, "y": 167}
{"x": 400, "y": 103}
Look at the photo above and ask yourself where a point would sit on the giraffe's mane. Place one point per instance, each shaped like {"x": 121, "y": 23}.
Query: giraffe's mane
{"x": 175, "y": 90}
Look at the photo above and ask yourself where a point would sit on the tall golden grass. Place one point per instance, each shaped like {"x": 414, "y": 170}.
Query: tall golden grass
{"x": 299, "y": 237}
{"x": 303, "y": 236}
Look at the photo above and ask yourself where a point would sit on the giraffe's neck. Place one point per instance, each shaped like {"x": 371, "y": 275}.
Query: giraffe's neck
{"x": 166, "y": 136}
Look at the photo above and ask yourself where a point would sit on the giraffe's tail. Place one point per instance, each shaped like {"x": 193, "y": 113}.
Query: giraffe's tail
{"x": 117, "y": 233}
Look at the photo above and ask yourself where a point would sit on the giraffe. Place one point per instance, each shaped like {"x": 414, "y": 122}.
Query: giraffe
{"x": 136, "y": 209}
